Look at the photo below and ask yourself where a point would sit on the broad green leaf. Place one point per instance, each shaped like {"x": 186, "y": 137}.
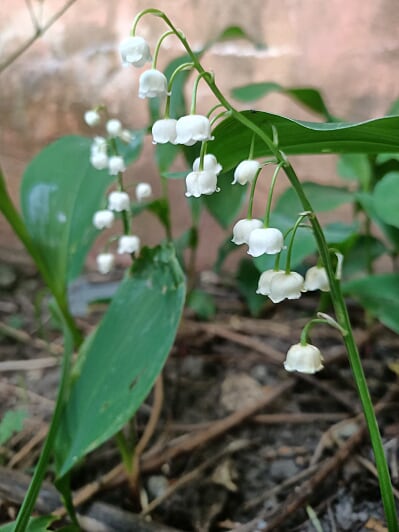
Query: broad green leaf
{"x": 36, "y": 524}
{"x": 386, "y": 199}
{"x": 360, "y": 257}
{"x": 225, "y": 249}
{"x": 232, "y": 138}
{"x": 165, "y": 154}
{"x": 247, "y": 283}
{"x": 124, "y": 357}
{"x": 339, "y": 233}
{"x": 59, "y": 194}
{"x": 367, "y": 203}
{"x": 379, "y": 294}
{"x": 307, "y": 96}
{"x": 356, "y": 167}
{"x": 225, "y": 205}
{"x": 322, "y": 198}
{"x": 11, "y": 422}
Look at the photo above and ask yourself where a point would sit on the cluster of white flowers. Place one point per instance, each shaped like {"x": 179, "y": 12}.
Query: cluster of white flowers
{"x": 277, "y": 284}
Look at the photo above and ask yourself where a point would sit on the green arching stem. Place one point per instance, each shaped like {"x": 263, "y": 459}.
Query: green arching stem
{"x": 305, "y": 331}
{"x": 252, "y": 194}
{"x": 266, "y": 218}
{"x": 291, "y": 244}
{"x": 150, "y": 11}
{"x": 204, "y": 74}
{"x": 158, "y": 47}
{"x": 126, "y": 215}
{"x": 202, "y": 155}
{"x": 252, "y": 148}
{"x": 212, "y": 109}
{"x": 223, "y": 114}
{"x": 341, "y": 310}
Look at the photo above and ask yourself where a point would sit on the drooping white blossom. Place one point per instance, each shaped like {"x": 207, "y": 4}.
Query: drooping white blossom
{"x": 164, "y": 130}
{"x": 305, "y": 358}
{"x": 285, "y": 286}
{"x": 128, "y": 244}
{"x": 316, "y": 279}
{"x": 114, "y": 127}
{"x": 267, "y": 240}
{"x": 143, "y": 191}
{"x": 193, "y": 128}
{"x": 135, "y": 51}
{"x": 199, "y": 183}
{"x": 243, "y": 228}
{"x": 153, "y": 84}
{"x": 92, "y": 118}
{"x": 118, "y": 201}
{"x": 116, "y": 164}
{"x": 210, "y": 163}
{"x": 103, "y": 219}
{"x": 265, "y": 281}
{"x": 105, "y": 262}
{"x": 246, "y": 172}
{"x": 99, "y": 160}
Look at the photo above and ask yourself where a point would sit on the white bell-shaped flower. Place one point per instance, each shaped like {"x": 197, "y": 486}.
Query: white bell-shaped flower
{"x": 128, "y": 244}
{"x": 243, "y": 228}
{"x": 103, "y": 219}
{"x": 201, "y": 183}
{"x": 153, "y": 84}
{"x": 246, "y": 172}
{"x": 99, "y": 159}
{"x": 285, "y": 286}
{"x": 265, "y": 240}
{"x": 316, "y": 279}
{"x": 265, "y": 281}
{"x": 135, "y": 51}
{"x": 118, "y": 201}
{"x": 193, "y": 128}
{"x": 143, "y": 191}
{"x": 304, "y": 358}
{"x": 116, "y": 164}
{"x": 99, "y": 144}
{"x": 113, "y": 127}
{"x": 126, "y": 136}
{"x": 164, "y": 131}
{"x": 92, "y": 118}
{"x": 210, "y": 163}
{"x": 105, "y": 262}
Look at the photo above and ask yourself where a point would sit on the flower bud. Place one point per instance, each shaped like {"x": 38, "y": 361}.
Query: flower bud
{"x": 153, "y": 84}
{"x": 246, "y": 172}
{"x": 113, "y": 127}
{"x": 118, "y": 201}
{"x": 265, "y": 240}
{"x": 316, "y": 279}
{"x": 193, "y": 128}
{"x": 304, "y": 358}
{"x": 164, "y": 131}
{"x": 265, "y": 281}
{"x": 128, "y": 244}
{"x": 99, "y": 144}
{"x": 103, "y": 219}
{"x": 105, "y": 262}
{"x": 143, "y": 191}
{"x": 285, "y": 286}
{"x": 134, "y": 51}
{"x": 210, "y": 163}
{"x": 92, "y": 118}
{"x": 99, "y": 159}
{"x": 116, "y": 164}
{"x": 243, "y": 228}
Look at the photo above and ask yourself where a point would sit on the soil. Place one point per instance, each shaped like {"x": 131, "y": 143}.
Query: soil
{"x": 240, "y": 444}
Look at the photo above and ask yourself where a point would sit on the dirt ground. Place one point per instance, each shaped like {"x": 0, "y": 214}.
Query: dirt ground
{"x": 238, "y": 444}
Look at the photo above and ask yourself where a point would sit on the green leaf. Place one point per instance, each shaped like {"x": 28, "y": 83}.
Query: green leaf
{"x": 165, "y": 154}
{"x": 225, "y": 249}
{"x": 247, "y": 284}
{"x": 306, "y": 96}
{"x": 225, "y": 205}
{"x": 59, "y": 194}
{"x": 367, "y": 203}
{"x": 386, "y": 199}
{"x": 36, "y": 524}
{"x": 13, "y": 421}
{"x": 379, "y": 294}
{"x": 232, "y": 139}
{"x": 125, "y": 355}
{"x": 355, "y": 166}
{"x": 322, "y": 197}
{"x": 365, "y": 250}
{"x": 202, "y": 304}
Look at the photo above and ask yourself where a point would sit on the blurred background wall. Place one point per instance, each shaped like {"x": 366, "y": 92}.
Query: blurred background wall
{"x": 348, "y": 50}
